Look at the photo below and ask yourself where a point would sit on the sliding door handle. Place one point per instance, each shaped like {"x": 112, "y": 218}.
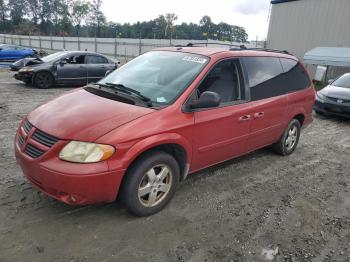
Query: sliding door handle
{"x": 259, "y": 115}
{"x": 244, "y": 118}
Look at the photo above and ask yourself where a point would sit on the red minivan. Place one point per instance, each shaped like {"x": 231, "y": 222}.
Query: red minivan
{"x": 166, "y": 114}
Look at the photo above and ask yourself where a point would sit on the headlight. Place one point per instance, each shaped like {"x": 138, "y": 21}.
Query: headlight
{"x": 321, "y": 97}
{"x": 26, "y": 69}
{"x": 83, "y": 152}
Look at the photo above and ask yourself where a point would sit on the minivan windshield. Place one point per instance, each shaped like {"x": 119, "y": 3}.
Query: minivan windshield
{"x": 343, "y": 81}
{"x": 160, "y": 76}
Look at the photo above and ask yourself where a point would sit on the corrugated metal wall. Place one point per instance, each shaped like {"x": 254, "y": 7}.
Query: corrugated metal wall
{"x": 302, "y": 25}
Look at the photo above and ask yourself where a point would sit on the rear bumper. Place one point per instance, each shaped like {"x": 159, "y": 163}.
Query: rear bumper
{"x": 332, "y": 108}
{"x": 72, "y": 189}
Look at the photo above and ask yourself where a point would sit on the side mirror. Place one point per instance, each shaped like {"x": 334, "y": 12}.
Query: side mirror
{"x": 206, "y": 100}
{"x": 62, "y": 62}
{"x": 330, "y": 81}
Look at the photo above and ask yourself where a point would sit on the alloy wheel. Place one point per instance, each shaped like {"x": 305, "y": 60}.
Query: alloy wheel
{"x": 291, "y": 138}
{"x": 155, "y": 185}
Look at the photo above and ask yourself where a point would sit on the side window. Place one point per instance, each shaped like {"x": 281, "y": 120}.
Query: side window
{"x": 75, "y": 59}
{"x": 226, "y": 80}
{"x": 296, "y": 77}
{"x": 265, "y": 76}
{"x": 94, "y": 59}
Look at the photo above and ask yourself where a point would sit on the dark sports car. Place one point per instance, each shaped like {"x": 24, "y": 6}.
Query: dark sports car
{"x": 64, "y": 68}
{"x": 334, "y": 99}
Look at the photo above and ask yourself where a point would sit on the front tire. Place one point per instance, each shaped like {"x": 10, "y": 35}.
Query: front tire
{"x": 43, "y": 80}
{"x": 150, "y": 183}
{"x": 289, "y": 140}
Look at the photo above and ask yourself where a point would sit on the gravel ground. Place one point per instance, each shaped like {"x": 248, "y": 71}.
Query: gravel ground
{"x": 258, "y": 207}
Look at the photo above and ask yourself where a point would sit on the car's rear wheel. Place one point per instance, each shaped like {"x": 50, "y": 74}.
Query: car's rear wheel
{"x": 289, "y": 140}
{"x": 44, "y": 80}
{"x": 150, "y": 183}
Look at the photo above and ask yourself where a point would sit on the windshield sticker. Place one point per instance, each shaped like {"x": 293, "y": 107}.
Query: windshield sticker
{"x": 195, "y": 59}
{"x": 161, "y": 100}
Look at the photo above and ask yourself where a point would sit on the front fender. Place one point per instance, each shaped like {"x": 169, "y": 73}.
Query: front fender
{"x": 148, "y": 143}
{"x": 157, "y": 140}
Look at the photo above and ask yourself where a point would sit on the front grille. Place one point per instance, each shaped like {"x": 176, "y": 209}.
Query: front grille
{"x": 44, "y": 138}
{"x": 33, "y": 151}
{"x": 344, "y": 101}
{"x": 27, "y": 126}
{"x": 20, "y": 140}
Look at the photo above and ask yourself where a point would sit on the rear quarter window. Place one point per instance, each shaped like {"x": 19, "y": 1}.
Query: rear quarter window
{"x": 94, "y": 59}
{"x": 273, "y": 76}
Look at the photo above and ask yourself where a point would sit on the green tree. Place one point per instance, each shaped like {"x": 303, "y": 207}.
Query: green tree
{"x": 17, "y": 10}
{"x": 97, "y": 18}
{"x": 3, "y": 10}
{"x": 79, "y": 13}
{"x": 170, "y": 18}
{"x": 206, "y": 25}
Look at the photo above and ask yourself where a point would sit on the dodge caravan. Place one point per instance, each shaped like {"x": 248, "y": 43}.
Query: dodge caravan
{"x": 170, "y": 112}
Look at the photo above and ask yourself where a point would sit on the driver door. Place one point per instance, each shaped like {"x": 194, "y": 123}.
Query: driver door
{"x": 221, "y": 133}
{"x": 72, "y": 71}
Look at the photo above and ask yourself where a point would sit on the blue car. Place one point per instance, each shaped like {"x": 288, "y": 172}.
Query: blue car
{"x": 14, "y": 52}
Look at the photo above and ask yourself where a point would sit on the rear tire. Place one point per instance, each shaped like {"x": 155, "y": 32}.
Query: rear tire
{"x": 289, "y": 140}
{"x": 43, "y": 80}
{"x": 150, "y": 183}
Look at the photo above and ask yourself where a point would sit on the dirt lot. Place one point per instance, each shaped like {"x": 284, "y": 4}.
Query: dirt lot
{"x": 254, "y": 208}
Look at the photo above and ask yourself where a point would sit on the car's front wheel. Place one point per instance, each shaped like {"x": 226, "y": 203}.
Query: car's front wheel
{"x": 289, "y": 140}
{"x": 43, "y": 80}
{"x": 150, "y": 183}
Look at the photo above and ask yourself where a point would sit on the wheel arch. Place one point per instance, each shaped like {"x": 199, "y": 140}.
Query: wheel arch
{"x": 44, "y": 71}
{"x": 300, "y": 117}
{"x": 173, "y": 144}
{"x": 298, "y": 114}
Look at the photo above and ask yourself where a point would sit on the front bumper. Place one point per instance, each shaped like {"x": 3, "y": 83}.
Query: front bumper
{"x": 71, "y": 183}
{"x": 25, "y": 77}
{"x": 332, "y": 108}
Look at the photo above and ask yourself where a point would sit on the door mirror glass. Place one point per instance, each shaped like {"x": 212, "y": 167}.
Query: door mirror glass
{"x": 207, "y": 99}
{"x": 62, "y": 62}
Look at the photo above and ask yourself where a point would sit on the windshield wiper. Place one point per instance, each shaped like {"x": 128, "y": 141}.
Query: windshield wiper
{"x": 129, "y": 91}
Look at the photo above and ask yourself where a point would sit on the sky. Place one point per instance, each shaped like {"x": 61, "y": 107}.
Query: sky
{"x": 250, "y": 14}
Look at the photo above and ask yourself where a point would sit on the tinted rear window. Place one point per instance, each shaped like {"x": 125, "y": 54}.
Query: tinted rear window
{"x": 272, "y": 76}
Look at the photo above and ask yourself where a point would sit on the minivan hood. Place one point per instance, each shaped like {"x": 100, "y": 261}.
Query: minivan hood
{"x": 336, "y": 92}
{"x": 80, "y": 115}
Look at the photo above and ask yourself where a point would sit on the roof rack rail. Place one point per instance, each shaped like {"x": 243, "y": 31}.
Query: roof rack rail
{"x": 205, "y": 43}
{"x": 269, "y": 50}
{"x": 236, "y": 47}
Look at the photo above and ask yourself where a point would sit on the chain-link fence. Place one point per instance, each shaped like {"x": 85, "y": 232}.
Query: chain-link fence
{"x": 123, "y": 49}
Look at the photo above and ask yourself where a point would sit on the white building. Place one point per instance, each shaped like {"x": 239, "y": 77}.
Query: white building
{"x": 301, "y": 25}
